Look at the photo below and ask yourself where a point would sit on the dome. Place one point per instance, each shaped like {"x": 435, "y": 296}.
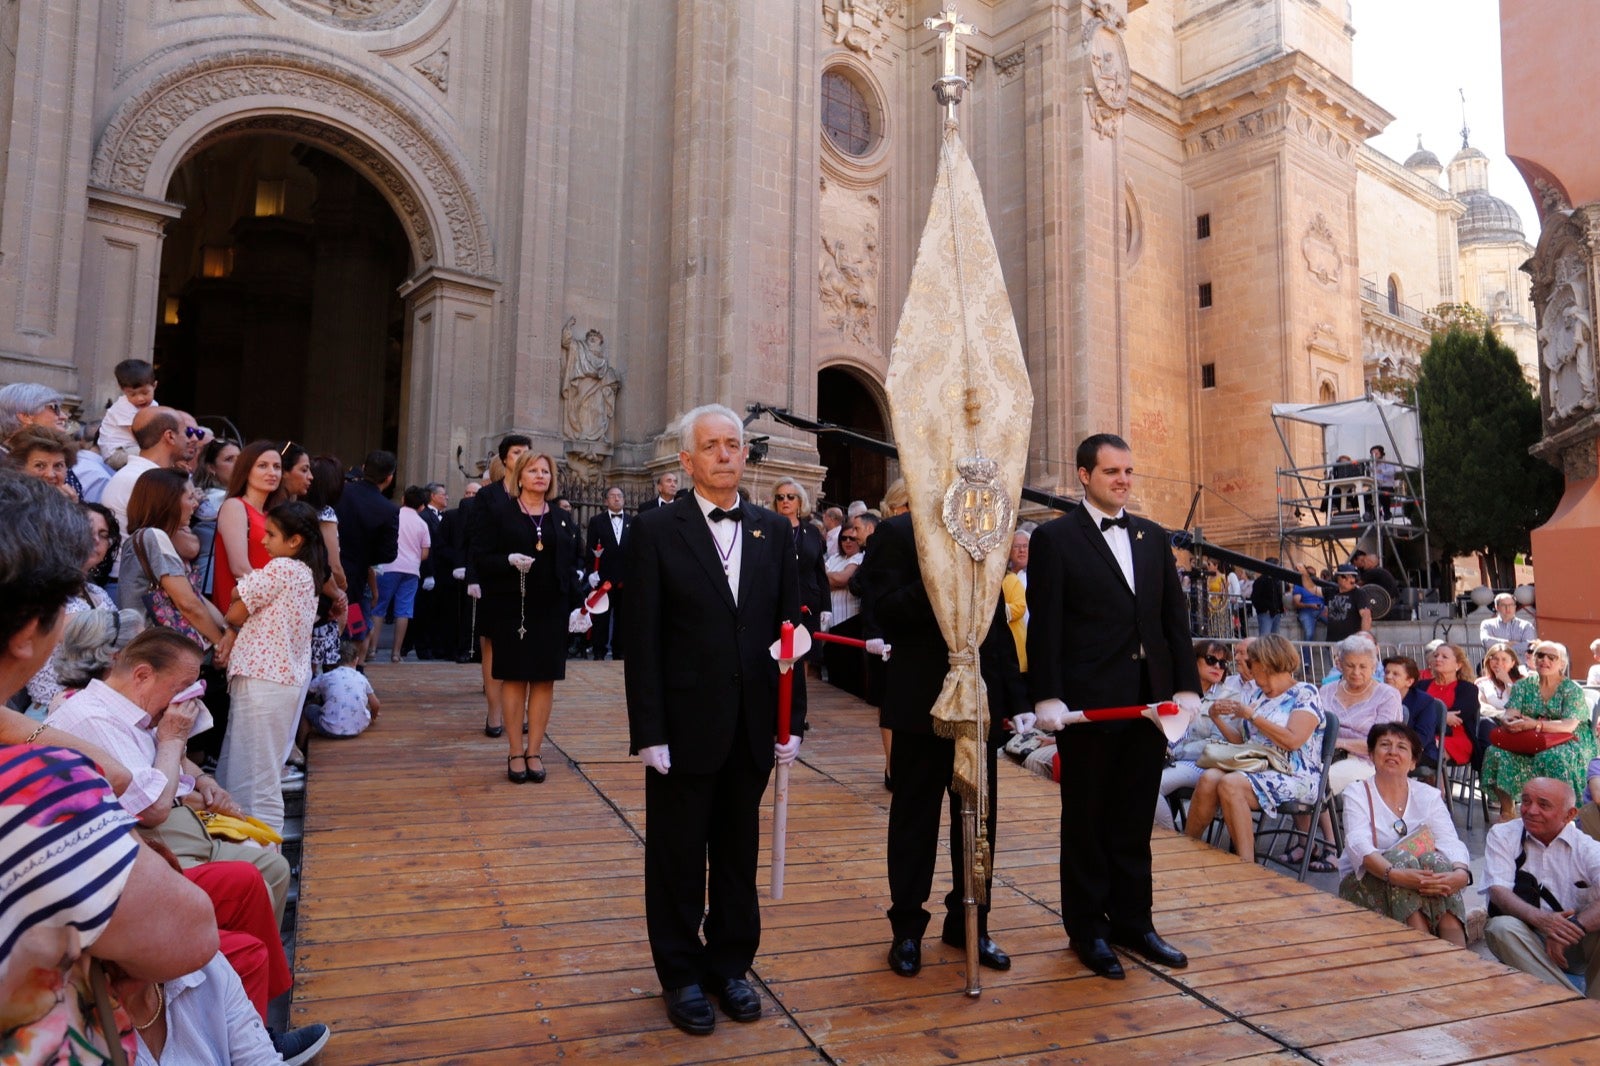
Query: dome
{"x": 1488, "y": 219}
{"x": 1468, "y": 152}
{"x": 1423, "y": 158}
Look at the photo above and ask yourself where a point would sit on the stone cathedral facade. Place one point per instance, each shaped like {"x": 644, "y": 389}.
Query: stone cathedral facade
{"x": 423, "y": 223}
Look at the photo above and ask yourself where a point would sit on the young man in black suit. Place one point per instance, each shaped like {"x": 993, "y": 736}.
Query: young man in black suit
{"x": 711, "y": 578}
{"x": 603, "y": 555}
{"x": 1107, "y": 627}
{"x": 896, "y": 609}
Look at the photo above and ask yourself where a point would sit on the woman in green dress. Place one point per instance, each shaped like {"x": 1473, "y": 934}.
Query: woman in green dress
{"x": 1548, "y": 702}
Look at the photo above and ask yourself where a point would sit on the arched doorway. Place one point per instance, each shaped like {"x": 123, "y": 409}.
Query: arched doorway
{"x": 279, "y": 307}
{"x": 853, "y": 473}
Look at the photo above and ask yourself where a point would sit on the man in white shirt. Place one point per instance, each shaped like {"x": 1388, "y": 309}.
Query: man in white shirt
{"x": 130, "y": 714}
{"x": 1505, "y": 626}
{"x": 1550, "y": 925}
{"x": 159, "y": 432}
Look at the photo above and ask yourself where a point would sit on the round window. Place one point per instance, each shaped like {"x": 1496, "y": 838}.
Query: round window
{"x": 846, "y": 115}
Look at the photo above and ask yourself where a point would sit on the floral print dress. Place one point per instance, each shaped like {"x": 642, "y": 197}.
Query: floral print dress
{"x": 1507, "y": 772}
{"x": 1300, "y": 784}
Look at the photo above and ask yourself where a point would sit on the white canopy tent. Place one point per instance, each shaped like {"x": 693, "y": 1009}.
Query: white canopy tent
{"x": 1352, "y": 427}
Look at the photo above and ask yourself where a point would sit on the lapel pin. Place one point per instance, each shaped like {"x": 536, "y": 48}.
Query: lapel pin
{"x": 1139, "y": 535}
{"x": 756, "y": 533}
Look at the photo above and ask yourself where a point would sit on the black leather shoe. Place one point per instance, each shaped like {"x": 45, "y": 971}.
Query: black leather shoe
{"x": 905, "y": 957}
{"x": 689, "y": 1009}
{"x": 516, "y": 777}
{"x": 1152, "y": 947}
{"x": 989, "y": 953}
{"x": 739, "y": 1001}
{"x": 1098, "y": 956}
{"x": 493, "y": 730}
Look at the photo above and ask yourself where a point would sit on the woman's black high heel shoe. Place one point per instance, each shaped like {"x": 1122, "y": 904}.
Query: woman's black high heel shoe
{"x": 493, "y": 730}
{"x": 536, "y": 776}
{"x": 516, "y": 777}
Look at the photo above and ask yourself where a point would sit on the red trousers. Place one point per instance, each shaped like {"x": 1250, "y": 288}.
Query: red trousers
{"x": 246, "y": 928}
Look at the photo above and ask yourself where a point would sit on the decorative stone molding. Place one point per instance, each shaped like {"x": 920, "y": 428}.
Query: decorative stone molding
{"x": 360, "y": 14}
{"x": 859, "y": 24}
{"x": 427, "y": 185}
{"x": 849, "y": 262}
{"x": 975, "y": 60}
{"x": 1255, "y": 124}
{"x": 1009, "y": 65}
{"x": 1321, "y": 250}
{"x": 1108, "y": 74}
{"x": 1323, "y": 340}
{"x": 435, "y": 66}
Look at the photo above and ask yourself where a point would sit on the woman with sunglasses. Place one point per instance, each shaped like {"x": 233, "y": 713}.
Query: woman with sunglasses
{"x": 1211, "y": 659}
{"x": 789, "y": 500}
{"x": 1548, "y": 702}
{"x": 1422, "y": 890}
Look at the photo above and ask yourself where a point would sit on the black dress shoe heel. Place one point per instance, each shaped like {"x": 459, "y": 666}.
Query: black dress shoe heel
{"x": 1157, "y": 950}
{"x": 689, "y": 1009}
{"x": 493, "y": 730}
{"x": 516, "y": 777}
{"x": 1098, "y": 956}
{"x": 739, "y": 1000}
{"x": 905, "y": 957}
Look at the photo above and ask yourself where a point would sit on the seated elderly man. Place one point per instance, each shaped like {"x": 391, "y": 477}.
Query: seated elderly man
{"x": 1544, "y": 889}
{"x": 131, "y": 714}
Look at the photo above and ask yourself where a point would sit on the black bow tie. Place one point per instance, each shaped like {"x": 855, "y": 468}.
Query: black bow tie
{"x": 1120, "y": 520}
{"x": 732, "y": 514}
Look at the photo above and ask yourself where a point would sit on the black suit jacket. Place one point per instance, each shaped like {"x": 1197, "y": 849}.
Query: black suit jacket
{"x": 895, "y": 606}
{"x": 651, "y": 504}
{"x": 698, "y": 668}
{"x": 432, "y": 521}
{"x": 369, "y": 528}
{"x": 450, "y": 546}
{"x": 612, "y": 564}
{"x": 1086, "y": 627}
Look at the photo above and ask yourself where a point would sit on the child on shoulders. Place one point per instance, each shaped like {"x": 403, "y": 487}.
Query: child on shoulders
{"x": 137, "y": 380}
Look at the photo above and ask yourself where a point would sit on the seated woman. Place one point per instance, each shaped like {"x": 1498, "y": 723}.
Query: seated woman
{"x": 1593, "y": 677}
{"x": 1287, "y": 718}
{"x": 1423, "y": 712}
{"x": 1211, "y": 659}
{"x": 45, "y": 453}
{"x": 1500, "y": 672}
{"x": 1549, "y": 702}
{"x": 1421, "y": 890}
{"x": 1452, "y": 684}
{"x": 1361, "y": 701}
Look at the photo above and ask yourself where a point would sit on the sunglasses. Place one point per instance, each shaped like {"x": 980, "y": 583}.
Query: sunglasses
{"x": 1212, "y": 660}
{"x": 1399, "y": 827}
{"x": 1548, "y": 656}
{"x": 846, "y": 536}
{"x": 53, "y": 408}
{"x": 785, "y": 496}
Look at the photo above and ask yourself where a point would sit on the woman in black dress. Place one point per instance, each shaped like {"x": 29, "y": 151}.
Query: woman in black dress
{"x": 790, "y": 500}
{"x": 527, "y": 562}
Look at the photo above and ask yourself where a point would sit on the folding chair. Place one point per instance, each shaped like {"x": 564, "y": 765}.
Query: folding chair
{"x": 1287, "y": 812}
{"x": 1463, "y": 775}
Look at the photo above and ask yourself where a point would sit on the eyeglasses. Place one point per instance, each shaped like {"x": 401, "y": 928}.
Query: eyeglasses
{"x": 53, "y": 408}
{"x": 1548, "y": 656}
{"x": 1212, "y": 660}
{"x": 780, "y": 496}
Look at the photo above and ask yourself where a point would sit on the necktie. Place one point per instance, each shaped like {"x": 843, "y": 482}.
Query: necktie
{"x": 1120, "y": 520}
{"x": 732, "y": 514}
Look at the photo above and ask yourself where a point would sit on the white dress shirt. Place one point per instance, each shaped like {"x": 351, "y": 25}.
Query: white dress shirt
{"x": 1116, "y": 539}
{"x": 210, "y": 1020}
{"x": 102, "y": 715}
{"x": 1569, "y": 866}
{"x": 616, "y": 525}
{"x": 1366, "y": 811}
{"x": 728, "y": 539}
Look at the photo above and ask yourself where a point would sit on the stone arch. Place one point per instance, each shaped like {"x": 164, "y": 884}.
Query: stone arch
{"x": 254, "y": 90}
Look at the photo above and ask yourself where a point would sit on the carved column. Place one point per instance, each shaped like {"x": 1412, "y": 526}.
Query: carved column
{"x": 445, "y": 388}
{"x": 42, "y": 211}
{"x": 116, "y": 306}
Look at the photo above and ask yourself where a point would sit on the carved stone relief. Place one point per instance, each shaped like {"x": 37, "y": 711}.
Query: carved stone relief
{"x": 1010, "y": 65}
{"x": 1109, "y": 76}
{"x": 860, "y": 25}
{"x": 146, "y": 122}
{"x": 1566, "y": 339}
{"x": 360, "y": 14}
{"x": 1322, "y": 252}
{"x": 435, "y": 66}
{"x": 848, "y": 262}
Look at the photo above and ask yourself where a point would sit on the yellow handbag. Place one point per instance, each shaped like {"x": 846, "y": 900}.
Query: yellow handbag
{"x": 238, "y": 830}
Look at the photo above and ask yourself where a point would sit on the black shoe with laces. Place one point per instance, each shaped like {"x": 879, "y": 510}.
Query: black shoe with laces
{"x": 300, "y": 1046}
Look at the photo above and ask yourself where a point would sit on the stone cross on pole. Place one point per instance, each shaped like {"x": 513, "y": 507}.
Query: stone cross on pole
{"x": 949, "y": 26}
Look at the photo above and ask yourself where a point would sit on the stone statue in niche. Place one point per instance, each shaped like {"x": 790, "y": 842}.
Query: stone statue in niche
{"x": 847, "y": 285}
{"x": 588, "y": 397}
{"x": 1566, "y": 342}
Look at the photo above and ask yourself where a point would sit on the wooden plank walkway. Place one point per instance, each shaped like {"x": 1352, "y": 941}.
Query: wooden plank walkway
{"x": 448, "y": 916}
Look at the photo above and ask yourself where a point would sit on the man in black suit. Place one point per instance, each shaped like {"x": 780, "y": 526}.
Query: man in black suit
{"x": 711, "y": 580}
{"x": 450, "y": 555}
{"x": 603, "y": 554}
{"x": 1107, "y": 627}
{"x": 369, "y": 525}
{"x": 666, "y": 492}
{"x": 896, "y": 609}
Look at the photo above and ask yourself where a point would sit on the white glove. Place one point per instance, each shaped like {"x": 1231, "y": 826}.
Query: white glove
{"x": 520, "y": 561}
{"x": 877, "y": 647}
{"x": 656, "y": 757}
{"x": 594, "y": 580}
{"x": 475, "y": 591}
{"x": 1023, "y": 723}
{"x": 579, "y": 621}
{"x": 459, "y": 573}
{"x": 787, "y": 753}
{"x": 1187, "y": 701}
{"x": 1050, "y": 715}
{"x": 827, "y": 621}
{"x": 427, "y": 584}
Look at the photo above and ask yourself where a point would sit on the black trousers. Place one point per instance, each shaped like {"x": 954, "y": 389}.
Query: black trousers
{"x": 920, "y": 764}
{"x": 606, "y": 633}
{"x": 1110, "y": 778}
{"x": 702, "y": 836}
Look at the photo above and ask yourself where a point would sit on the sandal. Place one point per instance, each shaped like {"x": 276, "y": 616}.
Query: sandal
{"x": 1321, "y": 863}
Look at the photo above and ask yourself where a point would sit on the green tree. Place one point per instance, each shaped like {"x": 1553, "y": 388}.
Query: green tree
{"x": 1485, "y": 492}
